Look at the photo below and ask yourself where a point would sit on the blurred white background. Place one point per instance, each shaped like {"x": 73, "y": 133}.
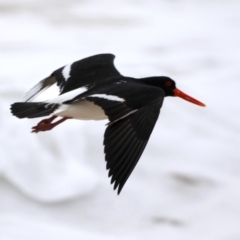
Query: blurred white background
{"x": 54, "y": 185}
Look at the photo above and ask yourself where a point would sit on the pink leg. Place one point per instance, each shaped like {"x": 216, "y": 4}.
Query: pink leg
{"x": 46, "y": 124}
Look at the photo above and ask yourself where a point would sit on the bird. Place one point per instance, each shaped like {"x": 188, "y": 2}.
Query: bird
{"x": 93, "y": 89}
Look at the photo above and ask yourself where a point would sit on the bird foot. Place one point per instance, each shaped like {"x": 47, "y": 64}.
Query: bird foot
{"x": 46, "y": 124}
{"x": 42, "y": 127}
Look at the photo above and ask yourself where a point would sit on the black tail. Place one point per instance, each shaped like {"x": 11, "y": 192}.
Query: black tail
{"x": 33, "y": 109}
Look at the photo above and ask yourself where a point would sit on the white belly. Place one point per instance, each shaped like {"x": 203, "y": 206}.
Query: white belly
{"x": 83, "y": 110}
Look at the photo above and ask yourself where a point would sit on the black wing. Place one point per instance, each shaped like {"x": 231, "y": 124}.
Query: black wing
{"x": 131, "y": 124}
{"x": 40, "y": 87}
{"x": 88, "y": 72}
{"x": 125, "y": 141}
{"x": 85, "y": 72}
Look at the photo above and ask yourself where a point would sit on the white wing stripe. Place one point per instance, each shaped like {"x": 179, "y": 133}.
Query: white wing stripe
{"x": 108, "y": 97}
{"x": 66, "y": 71}
{"x": 126, "y": 115}
{"x": 68, "y": 95}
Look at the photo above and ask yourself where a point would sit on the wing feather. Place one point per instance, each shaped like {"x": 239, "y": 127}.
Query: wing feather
{"x": 134, "y": 132}
{"x": 39, "y": 87}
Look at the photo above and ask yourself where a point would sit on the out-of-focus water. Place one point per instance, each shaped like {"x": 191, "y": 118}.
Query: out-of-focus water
{"x": 54, "y": 185}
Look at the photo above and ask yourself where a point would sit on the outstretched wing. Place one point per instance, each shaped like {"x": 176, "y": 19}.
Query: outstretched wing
{"x": 85, "y": 72}
{"x": 125, "y": 141}
{"x": 88, "y": 72}
{"x": 133, "y": 110}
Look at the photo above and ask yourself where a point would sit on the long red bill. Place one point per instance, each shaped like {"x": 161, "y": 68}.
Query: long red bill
{"x": 180, "y": 94}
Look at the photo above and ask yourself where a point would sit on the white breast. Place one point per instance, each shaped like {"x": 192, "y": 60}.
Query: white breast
{"x": 83, "y": 110}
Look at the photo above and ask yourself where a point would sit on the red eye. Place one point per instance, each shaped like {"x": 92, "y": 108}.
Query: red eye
{"x": 168, "y": 83}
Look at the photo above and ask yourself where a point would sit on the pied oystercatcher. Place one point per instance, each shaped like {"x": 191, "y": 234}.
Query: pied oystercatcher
{"x": 93, "y": 89}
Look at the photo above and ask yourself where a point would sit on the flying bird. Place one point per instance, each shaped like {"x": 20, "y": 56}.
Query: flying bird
{"x": 93, "y": 89}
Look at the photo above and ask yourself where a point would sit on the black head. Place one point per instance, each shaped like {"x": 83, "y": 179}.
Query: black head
{"x": 169, "y": 88}
{"x": 165, "y": 83}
